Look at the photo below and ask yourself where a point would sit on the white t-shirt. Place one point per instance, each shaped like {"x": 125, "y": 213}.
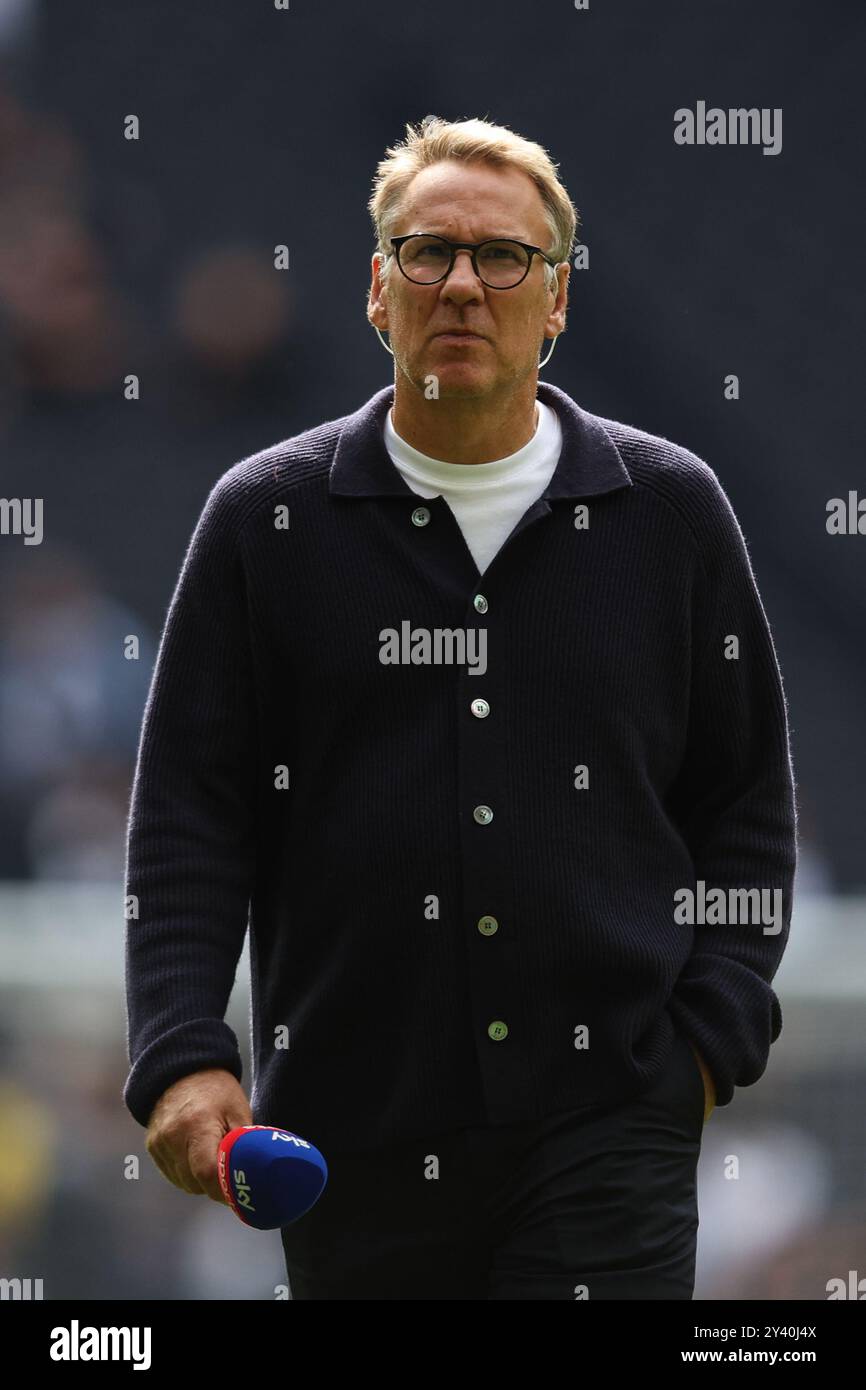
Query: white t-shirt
{"x": 488, "y": 499}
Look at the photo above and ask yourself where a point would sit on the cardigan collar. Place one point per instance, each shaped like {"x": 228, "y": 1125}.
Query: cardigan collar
{"x": 589, "y": 462}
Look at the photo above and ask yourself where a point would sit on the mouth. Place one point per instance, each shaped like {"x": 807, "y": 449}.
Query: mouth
{"x": 460, "y": 336}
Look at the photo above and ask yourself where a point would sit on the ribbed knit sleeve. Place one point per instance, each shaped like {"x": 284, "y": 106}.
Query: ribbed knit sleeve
{"x": 734, "y": 801}
{"x": 190, "y": 836}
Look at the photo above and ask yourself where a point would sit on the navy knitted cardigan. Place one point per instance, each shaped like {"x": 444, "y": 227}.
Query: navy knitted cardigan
{"x": 464, "y": 887}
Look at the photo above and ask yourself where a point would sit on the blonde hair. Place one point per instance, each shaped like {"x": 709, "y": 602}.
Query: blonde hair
{"x": 476, "y": 140}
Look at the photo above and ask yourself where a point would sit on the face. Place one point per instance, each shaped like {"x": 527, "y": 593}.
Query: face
{"x": 470, "y": 202}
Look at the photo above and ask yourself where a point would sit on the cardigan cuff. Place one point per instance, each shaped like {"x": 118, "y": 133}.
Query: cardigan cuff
{"x": 189, "y": 1047}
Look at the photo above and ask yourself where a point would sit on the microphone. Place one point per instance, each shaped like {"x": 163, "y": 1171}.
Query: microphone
{"x": 269, "y": 1177}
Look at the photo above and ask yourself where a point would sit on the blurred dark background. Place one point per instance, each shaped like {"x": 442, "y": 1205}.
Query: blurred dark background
{"x": 258, "y": 127}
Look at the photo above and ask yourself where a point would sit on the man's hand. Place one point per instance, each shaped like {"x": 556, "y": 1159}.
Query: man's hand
{"x": 187, "y": 1124}
{"x": 709, "y": 1084}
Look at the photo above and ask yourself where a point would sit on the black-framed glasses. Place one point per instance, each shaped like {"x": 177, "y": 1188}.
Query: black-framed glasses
{"x": 499, "y": 263}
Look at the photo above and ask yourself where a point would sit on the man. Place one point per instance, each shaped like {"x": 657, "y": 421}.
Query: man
{"x": 470, "y": 697}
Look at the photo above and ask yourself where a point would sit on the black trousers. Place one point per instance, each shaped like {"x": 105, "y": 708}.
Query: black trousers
{"x": 597, "y": 1203}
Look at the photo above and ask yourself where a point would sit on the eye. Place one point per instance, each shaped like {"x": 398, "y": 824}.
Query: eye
{"x": 425, "y": 249}
{"x": 506, "y": 252}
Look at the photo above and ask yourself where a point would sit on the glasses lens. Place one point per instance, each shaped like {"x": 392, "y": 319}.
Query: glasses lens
{"x": 502, "y": 263}
{"x": 424, "y": 259}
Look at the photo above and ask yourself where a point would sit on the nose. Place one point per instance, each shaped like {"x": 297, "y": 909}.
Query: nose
{"x": 462, "y": 284}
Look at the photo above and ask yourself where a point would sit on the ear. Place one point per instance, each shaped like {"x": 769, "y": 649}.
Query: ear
{"x": 377, "y": 299}
{"x": 556, "y": 317}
